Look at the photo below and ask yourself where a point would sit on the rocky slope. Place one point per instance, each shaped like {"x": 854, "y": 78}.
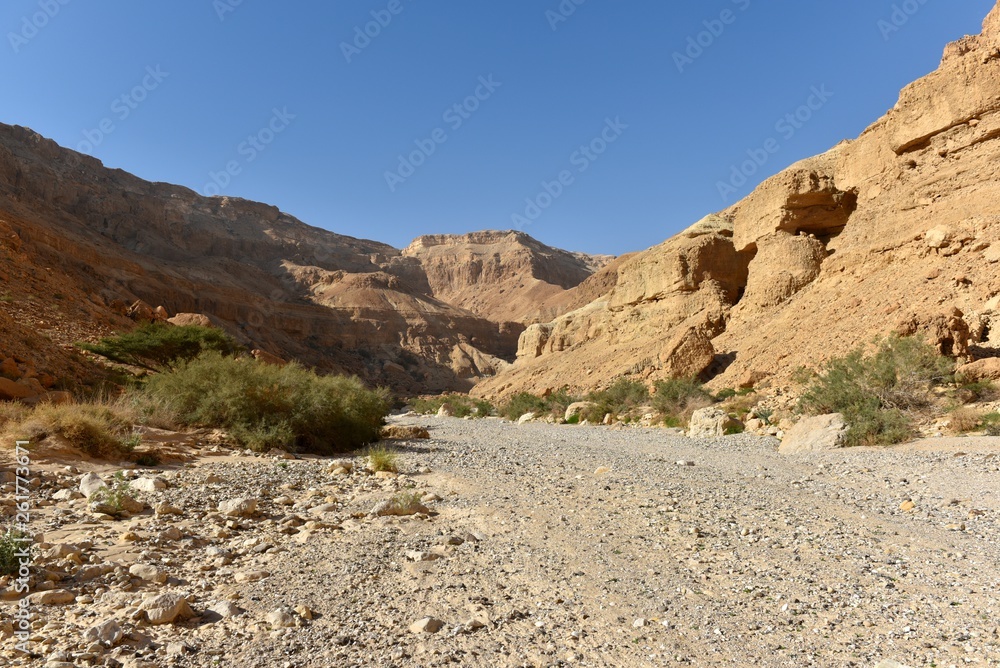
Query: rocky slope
{"x": 898, "y": 229}
{"x": 79, "y": 243}
{"x": 506, "y": 276}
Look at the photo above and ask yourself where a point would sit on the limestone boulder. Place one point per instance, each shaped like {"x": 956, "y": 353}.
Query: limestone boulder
{"x": 815, "y": 434}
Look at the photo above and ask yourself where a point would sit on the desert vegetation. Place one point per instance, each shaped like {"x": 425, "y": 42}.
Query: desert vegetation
{"x": 202, "y": 381}
{"x": 880, "y": 394}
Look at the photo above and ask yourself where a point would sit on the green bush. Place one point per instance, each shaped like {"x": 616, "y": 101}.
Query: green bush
{"x": 875, "y": 392}
{"x": 462, "y": 405}
{"x": 10, "y": 545}
{"x": 157, "y": 346}
{"x": 623, "y": 396}
{"x": 265, "y": 406}
{"x": 672, "y": 397}
{"x": 522, "y": 403}
{"x": 991, "y": 423}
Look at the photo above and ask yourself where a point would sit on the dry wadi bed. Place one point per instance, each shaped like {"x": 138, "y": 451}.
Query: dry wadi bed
{"x": 542, "y": 545}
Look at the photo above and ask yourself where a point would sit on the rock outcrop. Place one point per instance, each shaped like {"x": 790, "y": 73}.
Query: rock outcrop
{"x": 897, "y": 230}
{"x": 502, "y": 276}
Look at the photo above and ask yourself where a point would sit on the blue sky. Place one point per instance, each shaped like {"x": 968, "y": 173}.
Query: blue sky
{"x": 586, "y": 110}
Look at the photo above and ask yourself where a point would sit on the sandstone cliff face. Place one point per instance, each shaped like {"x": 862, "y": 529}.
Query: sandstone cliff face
{"x": 505, "y": 276}
{"x": 896, "y": 230}
{"x": 103, "y": 238}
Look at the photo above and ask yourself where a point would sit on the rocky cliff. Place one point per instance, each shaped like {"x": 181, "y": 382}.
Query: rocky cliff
{"x": 505, "y": 276}
{"x": 81, "y": 242}
{"x": 898, "y": 229}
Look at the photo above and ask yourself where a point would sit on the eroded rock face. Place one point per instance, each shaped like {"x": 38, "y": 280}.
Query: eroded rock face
{"x": 893, "y": 231}
{"x": 502, "y": 276}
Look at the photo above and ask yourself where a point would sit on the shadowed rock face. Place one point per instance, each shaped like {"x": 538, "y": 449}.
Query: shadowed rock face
{"x": 103, "y": 238}
{"x": 898, "y": 229}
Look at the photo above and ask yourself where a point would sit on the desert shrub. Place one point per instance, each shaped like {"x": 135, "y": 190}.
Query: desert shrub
{"x": 522, "y": 403}
{"x": 739, "y": 404}
{"x": 265, "y": 406}
{"x": 114, "y": 495}
{"x": 147, "y": 460}
{"x": 158, "y": 346}
{"x": 875, "y": 391}
{"x": 382, "y": 458}
{"x": 99, "y": 429}
{"x": 964, "y": 420}
{"x": 991, "y": 423}
{"x": 10, "y": 544}
{"x": 676, "y": 399}
{"x": 621, "y": 397}
{"x": 462, "y": 405}
{"x": 12, "y": 412}
{"x": 763, "y": 414}
{"x": 969, "y": 391}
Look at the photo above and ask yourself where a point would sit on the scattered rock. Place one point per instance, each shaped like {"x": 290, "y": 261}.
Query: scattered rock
{"x": 166, "y": 609}
{"x": 710, "y": 422}
{"x": 426, "y": 625}
{"x": 815, "y": 434}
{"x": 90, "y": 483}
{"x": 238, "y": 507}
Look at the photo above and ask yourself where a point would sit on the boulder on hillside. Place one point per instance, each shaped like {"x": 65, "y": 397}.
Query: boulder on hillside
{"x": 815, "y": 434}
{"x": 711, "y": 422}
{"x": 688, "y": 354}
{"x": 984, "y": 369}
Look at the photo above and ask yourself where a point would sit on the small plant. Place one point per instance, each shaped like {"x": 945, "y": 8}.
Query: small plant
{"x": 11, "y": 542}
{"x": 405, "y": 502}
{"x": 573, "y": 419}
{"x": 115, "y": 494}
{"x": 131, "y": 441}
{"x": 763, "y": 414}
{"x": 381, "y": 458}
{"x": 99, "y": 429}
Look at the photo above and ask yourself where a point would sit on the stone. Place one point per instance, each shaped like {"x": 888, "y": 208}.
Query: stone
{"x": 251, "y": 576}
{"x": 226, "y": 609}
{"x": 399, "y": 507}
{"x": 13, "y": 391}
{"x": 304, "y": 612}
{"x": 9, "y": 369}
{"x": 90, "y": 483}
{"x": 282, "y": 618}
{"x": 148, "y": 572}
{"x": 907, "y": 506}
{"x": 109, "y": 633}
{"x": 67, "y": 495}
{"x": 602, "y": 470}
{"x": 984, "y": 369}
{"x": 426, "y": 625}
{"x": 710, "y": 422}
{"x": 527, "y": 417}
{"x": 238, "y": 507}
{"x": 890, "y": 663}
{"x": 395, "y": 432}
{"x": 446, "y": 411}
{"x": 815, "y": 434}
{"x": 149, "y": 485}
{"x": 166, "y": 609}
{"x": 164, "y": 508}
{"x": 939, "y": 237}
{"x": 52, "y": 597}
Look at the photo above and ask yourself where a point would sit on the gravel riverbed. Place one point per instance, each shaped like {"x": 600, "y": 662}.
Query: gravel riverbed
{"x": 543, "y": 545}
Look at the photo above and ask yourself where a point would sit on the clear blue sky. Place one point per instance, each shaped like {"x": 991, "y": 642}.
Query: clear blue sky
{"x": 224, "y": 66}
